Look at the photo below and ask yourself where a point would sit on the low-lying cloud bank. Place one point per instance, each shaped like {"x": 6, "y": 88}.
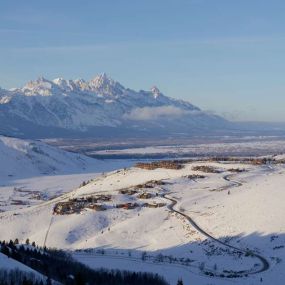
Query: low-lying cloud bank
{"x": 154, "y": 113}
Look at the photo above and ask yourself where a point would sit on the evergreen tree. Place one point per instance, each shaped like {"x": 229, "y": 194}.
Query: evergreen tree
{"x": 48, "y": 282}
{"x": 79, "y": 280}
{"x": 179, "y": 282}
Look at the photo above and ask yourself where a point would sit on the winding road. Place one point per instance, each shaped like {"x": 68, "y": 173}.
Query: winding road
{"x": 263, "y": 260}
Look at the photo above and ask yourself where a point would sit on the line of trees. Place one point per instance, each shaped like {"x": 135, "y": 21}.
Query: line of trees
{"x": 17, "y": 277}
{"x": 60, "y": 266}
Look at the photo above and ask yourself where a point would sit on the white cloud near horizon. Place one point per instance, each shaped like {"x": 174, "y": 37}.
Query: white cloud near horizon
{"x": 155, "y": 113}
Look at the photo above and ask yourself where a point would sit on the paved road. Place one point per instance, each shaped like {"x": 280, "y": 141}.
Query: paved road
{"x": 263, "y": 260}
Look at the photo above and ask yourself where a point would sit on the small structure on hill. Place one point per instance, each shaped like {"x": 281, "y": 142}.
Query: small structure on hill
{"x": 145, "y": 195}
{"x": 97, "y": 207}
{"x": 128, "y": 191}
{"x": 154, "y": 205}
{"x": 168, "y": 164}
{"x": 206, "y": 169}
{"x": 66, "y": 208}
{"x": 195, "y": 176}
{"x": 236, "y": 170}
{"x": 127, "y": 206}
{"x": 76, "y": 205}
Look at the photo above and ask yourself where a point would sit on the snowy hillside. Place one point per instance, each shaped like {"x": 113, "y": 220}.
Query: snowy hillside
{"x": 25, "y": 157}
{"x": 9, "y": 263}
{"x": 207, "y": 222}
{"x": 97, "y": 107}
{"x": 31, "y": 171}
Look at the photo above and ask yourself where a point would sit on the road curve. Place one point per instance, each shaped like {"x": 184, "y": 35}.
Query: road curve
{"x": 264, "y": 262}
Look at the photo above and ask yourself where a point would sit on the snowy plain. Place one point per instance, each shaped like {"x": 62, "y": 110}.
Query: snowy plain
{"x": 243, "y": 146}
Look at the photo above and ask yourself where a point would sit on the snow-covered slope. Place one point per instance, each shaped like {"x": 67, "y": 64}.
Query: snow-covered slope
{"x": 243, "y": 210}
{"x": 92, "y": 106}
{"x": 12, "y": 264}
{"x": 26, "y": 157}
{"x": 31, "y": 171}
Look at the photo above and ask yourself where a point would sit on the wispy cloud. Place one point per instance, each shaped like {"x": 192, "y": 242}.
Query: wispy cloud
{"x": 155, "y": 113}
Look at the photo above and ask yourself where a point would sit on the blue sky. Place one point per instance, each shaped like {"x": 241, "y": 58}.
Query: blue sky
{"x": 222, "y": 55}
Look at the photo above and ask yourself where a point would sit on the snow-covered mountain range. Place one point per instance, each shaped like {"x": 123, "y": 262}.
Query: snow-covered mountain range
{"x": 102, "y": 105}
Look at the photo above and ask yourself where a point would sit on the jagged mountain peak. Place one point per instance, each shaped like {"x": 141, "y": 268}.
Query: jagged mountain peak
{"x": 65, "y": 84}
{"x": 79, "y": 105}
{"x": 101, "y": 85}
{"x": 101, "y": 80}
{"x": 155, "y": 91}
{"x": 40, "y": 86}
{"x": 59, "y": 80}
{"x": 82, "y": 84}
{"x": 40, "y": 81}
{"x": 106, "y": 85}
